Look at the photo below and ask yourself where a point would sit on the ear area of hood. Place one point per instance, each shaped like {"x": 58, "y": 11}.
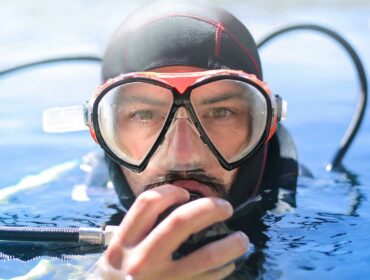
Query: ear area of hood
{"x": 282, "y": 166}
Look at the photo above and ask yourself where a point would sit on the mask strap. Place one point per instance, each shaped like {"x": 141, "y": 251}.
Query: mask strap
{"x": 64, "y": 119}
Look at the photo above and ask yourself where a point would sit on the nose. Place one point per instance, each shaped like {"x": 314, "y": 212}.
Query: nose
{"x": 182, "y": 137}
{"x": 182, "y": 149}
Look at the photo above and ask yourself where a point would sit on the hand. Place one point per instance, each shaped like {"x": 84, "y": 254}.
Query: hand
{"x": 144, "y": 252}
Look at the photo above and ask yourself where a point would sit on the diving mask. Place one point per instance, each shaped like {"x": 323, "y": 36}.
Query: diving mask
{"x": 229, "y": 111}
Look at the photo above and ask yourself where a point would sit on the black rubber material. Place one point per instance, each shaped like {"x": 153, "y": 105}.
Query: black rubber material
{"x": 51, "y": 234}
{"x": 78, "y": 57}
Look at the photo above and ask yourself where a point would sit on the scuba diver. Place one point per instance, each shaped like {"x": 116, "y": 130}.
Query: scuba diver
{"x": 193, "y": 144}
{"x": 192, "y": 139}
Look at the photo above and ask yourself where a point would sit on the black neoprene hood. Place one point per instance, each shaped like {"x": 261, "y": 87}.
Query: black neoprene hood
{"x": 167, "y": 33}
{"x": 173, "y": 33}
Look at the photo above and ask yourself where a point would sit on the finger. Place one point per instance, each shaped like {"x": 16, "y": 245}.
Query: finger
{"x": 141, "y": 217}
{"x": 215, "y": 254}
{"x": 184, "y": 221}
{"x": 143, "y": 214}
{"x": 217, "y": 274}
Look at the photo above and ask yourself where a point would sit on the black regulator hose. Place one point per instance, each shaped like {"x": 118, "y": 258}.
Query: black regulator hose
{"x": 84, "y": 235}
{"x": 13, "y": 68}
{"x": 357, "y": 119}
{"x": 39, "y": 233}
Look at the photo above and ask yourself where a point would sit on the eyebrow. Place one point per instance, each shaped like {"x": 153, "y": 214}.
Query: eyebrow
{"x": 122, "y": 99}
{"x": 223, "y": 97}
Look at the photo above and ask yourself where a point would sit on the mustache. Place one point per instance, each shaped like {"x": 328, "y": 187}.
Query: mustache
{"x": 198, "y": 175}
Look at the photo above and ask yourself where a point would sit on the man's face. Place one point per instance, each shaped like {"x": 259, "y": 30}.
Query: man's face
{"x": 182, "y": 159}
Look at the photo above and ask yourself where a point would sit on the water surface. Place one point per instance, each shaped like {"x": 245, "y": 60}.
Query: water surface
{"x": 322, "y": 232}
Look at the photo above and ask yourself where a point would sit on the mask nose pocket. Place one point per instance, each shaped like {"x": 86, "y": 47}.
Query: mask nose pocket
{"x": 183, "y": 147}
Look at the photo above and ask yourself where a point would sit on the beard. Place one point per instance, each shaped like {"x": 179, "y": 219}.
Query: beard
{"x": 198, "y": 175}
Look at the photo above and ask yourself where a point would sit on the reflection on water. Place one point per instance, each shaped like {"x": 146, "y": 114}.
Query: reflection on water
{"x": 322, "y": 231}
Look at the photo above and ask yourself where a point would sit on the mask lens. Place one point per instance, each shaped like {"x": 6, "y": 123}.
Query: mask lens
{"x": 131, "y": 117}
{"x": 233, "y": 114}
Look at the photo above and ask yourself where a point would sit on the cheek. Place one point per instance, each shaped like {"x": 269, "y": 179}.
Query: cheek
{"x": 135, "y": 144}
{"x": 226, "y": 176}
{"x": 138, "y": 181}
{"x": 230, "y": 147}
{"x": 133, "y": 180}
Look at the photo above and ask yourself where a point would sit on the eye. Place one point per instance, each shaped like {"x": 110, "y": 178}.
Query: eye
{"x": 143, "y": 115}
{"x": 220, "y": 113}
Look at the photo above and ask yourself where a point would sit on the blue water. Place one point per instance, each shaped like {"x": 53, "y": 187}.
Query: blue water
{"x": 325, "y": 235}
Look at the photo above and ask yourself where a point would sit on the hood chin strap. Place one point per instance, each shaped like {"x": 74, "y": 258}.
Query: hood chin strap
{"x": 248, "y": 178}
{"x": 123, "y": 190}
{"x": 268, "y": 170}
{"x": 282, "y": 166}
